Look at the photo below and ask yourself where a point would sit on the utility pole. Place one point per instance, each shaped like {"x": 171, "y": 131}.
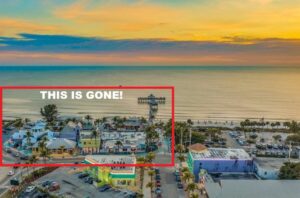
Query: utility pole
{"x": 190, "y": 136}
{"x": 290, "y": 149}
{"x": 181, "y": 135}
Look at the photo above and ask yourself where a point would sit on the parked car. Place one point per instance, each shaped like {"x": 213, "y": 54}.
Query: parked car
{"x": 158, "y": 185}
{"x": 83, "y": 175}
{"x": 176, "y": 173}
{"x": 89, "y": 180}
{"x": 54, "y": 186}
{"x": 157, "y": 177}
{"x": 30, "y": 189}
{"x": 10, "y": 173}
{"x": 104, "y": 188}
{"x": 16, "y": 154}
{"x": 24, "y": 157}
{"x": 178, "y": 179}
{"x": 157, "y": 182}
{"x": 157, "y": 191}
{"x": 46, "y": 183}
{"x": 7, "y": 150}
{"x": 42, "y": 195}
{"x": 179, "y": 185}
{"x": 158, "y": 196}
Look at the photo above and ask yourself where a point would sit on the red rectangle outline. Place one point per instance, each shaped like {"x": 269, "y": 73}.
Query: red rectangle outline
{"x": 172, "y": 88}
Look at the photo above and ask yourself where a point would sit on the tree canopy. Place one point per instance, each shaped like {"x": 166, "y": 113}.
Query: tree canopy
{"x": 290, "y": 171}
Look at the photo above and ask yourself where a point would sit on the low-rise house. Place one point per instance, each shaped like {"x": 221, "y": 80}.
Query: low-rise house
{"x": 71, "y": 132}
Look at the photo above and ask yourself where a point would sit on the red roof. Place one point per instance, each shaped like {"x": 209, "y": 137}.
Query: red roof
{"x": 197, "y": 147}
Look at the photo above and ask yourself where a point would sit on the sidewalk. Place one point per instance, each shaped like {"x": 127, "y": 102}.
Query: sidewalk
{"x": 146, "y": 191}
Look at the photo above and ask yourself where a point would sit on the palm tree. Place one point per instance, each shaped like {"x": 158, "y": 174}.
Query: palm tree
{"x": 141, "y": 160}
{"x": 95, "y": 134}
{"x": 104, "y": 119}
{"x": 181, "y": 158}
{"x": 294, "y": 127}
{"x": 119, "y": 144}
{"x": 187, "y": 176}
{"x": 32, "y": 160}
{"x": 179, "y": 148}
{"x": 151, "y": 136}
{"x": 191, "y": 187}
{"x": 19, "y": 123}
{"x": 150, "y": 156}
{"x": 28, "y": 138}
{"x": 277, "y": 138}
{"x": 185, "y": 169}
{"x": 49, "y": 112}
{"x": 151, "y": 174}
{"x": 62, "y": 149}
{"x": 45, "y": 154}
{"x": 88, "y": 118}
{"x": 143, "y": 120}
{"x": 97, "y": 121}
{"x": 27, "y": 120}
{"x": 151, "y": 186}
{"x": 194, "y": 195}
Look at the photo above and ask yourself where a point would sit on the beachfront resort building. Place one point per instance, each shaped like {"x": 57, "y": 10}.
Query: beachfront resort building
{"x": 116, "y": 176}
{"x": 125, "y": 136}
{"x": 123, "y": 141}
{"x": 29, "y": 136}
{"x": 57, "y": 147}
{"x": 218, "y": 160}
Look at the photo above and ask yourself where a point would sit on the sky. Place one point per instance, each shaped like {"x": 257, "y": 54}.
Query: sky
{"x": 150, "y": 32}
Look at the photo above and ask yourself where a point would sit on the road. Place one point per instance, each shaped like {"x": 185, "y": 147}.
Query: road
{"x": 5, "y": 179}
{"x": 230, "y": 142}
{"x": 169, "y": 185}
{"x": 71, "y": 186}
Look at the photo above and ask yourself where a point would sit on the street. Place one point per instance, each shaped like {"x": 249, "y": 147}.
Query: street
{"x": 169, "y": 184}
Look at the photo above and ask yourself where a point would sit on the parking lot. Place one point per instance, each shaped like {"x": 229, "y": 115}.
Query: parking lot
{"x": 73, "y": 187}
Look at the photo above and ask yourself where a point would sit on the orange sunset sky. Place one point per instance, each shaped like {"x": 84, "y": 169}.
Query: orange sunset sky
{"x": 150, "y": 32}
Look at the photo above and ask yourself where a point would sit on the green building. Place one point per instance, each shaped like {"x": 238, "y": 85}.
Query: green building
{"x": 116, "y": 176}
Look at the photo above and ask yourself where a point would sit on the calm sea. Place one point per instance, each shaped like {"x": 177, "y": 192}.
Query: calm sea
{"x": 201, "y": 93}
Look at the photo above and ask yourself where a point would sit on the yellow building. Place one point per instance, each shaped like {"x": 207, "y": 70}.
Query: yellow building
{"x": 57, "y": 147}
{"x": 89, "y": 142}
{"x": 115, "y": 176}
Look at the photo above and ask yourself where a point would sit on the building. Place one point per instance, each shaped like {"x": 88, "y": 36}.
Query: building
{"x": 116, "y": 176}
{"x": 88, "y": 143}
{"x": 36, "y": 132}
{"x": 130, "y": 141}
{"x": 58, "y": 147}
{"x": 218, "y": 160}
{"x": 71, "y": 131}
{"x": 252, "y": 188}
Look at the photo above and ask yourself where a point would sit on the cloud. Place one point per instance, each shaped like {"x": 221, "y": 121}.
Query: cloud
{"x": 10, "y": 26}
{"x": 66, "y": 49}
{"x": 204, "y": 20}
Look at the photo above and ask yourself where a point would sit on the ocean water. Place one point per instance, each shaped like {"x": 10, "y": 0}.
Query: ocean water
{"x": 201, "y": 93}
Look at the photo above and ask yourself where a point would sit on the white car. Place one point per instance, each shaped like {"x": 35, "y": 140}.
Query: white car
{"x": 10, "y": 173}
{"x": 29, "y": 189}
